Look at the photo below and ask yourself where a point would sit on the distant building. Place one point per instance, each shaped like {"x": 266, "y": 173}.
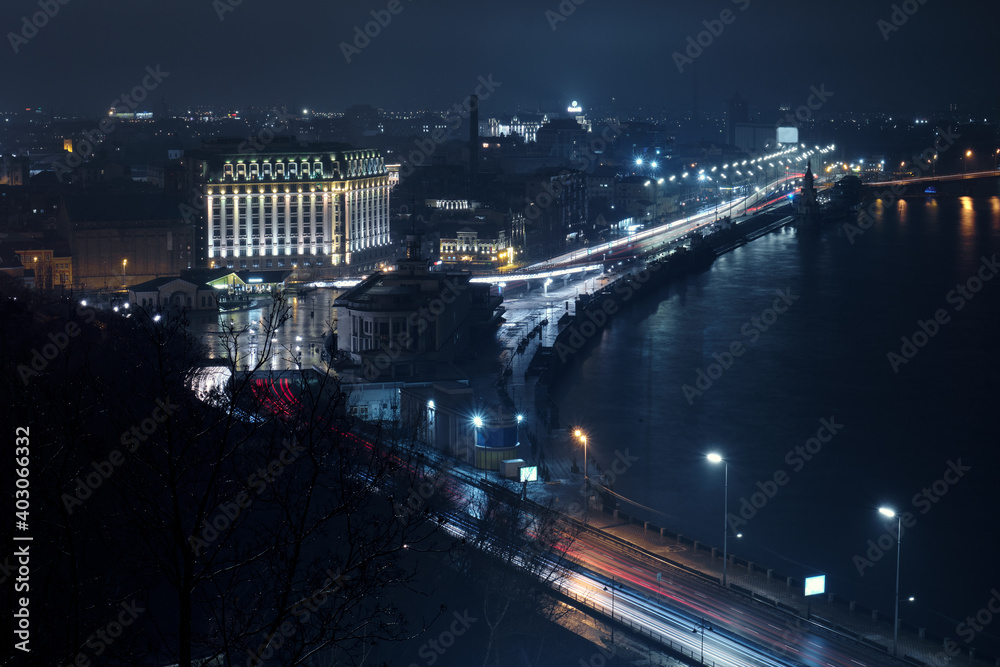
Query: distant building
{"x": 601, "y": 186}
{"x": 523, "y": 125}
{"x": 119, "y": 240}
{"x": 575, "y": 111}
{"x": 737, "y": 111}
{"x": 452, "y": 204}
{"x": 755, "y": 137}
{"x": 411, "y": 322}
{"x": 52, "y": 268}
{"x": 442, "y": 412}
{"x": 10, "y": 265}
{"x": 462, "y": 244}
{"x": 289, "y": 205}
{"x": 633, "y": 196}
{"x": 873, "y": 167}
{"x": 563, "y": 138}
{"x": 557, "y": 206}
{"x": 173, "y": 292}
{"x": 14, "y": 170}
{"x": 393, "y": 171}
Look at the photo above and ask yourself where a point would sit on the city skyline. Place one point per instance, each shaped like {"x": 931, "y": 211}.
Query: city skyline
{"x": 871, "y": 56}
{"x": 534, "y": 333}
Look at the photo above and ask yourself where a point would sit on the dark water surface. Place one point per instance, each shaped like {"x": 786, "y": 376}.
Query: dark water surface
{"x": 825, "y": 357}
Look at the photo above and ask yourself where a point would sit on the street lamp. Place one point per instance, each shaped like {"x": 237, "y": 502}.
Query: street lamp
{"x": 586, "y": 478}
{"x": 715, "y": 458}
{"x": 612, "y": 608}
{"x": 703, "y": 625}
{"x": 965, "y": 161}
{"x": 124, "y": 263}
{"x": 888, "y": 513}
{"x": 477, "y": 423}
{"x": 583, "y": 437}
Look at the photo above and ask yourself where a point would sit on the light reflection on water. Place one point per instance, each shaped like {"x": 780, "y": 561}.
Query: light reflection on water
{"x": 826, "y": 356}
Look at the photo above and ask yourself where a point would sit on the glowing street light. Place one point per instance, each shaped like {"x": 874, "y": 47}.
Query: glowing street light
{"x": 890, "y": 514}
{"x": 583, "y": 438}
{"x": 716, "y": 458}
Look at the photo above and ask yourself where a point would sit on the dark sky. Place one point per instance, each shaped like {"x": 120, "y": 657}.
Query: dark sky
{"x": 431, "y": 53}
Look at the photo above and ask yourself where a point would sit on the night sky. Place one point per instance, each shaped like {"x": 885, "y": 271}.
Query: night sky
{"x": 430, "y": 54}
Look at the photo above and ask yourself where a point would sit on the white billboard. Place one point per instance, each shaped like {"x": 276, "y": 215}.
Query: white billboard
{"x": 788, "y": 135}
{"x": 816, "y": 585}
{"x": 529, "y": 474}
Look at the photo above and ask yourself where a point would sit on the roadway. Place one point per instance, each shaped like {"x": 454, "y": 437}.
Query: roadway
{"x": 599, "y": 566}
{"x": 593, "y": 257}
{"x": 671, "y": 611}
{"x": 742, "y": 632}
{"x": 990, "y": 173}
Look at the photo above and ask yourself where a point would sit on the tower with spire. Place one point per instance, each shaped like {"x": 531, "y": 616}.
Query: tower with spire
{"x": 807, "y": 212}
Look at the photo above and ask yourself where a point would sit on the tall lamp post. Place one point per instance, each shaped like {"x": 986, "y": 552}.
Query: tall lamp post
{"x": 477, "y": 423}
{"x": 703, "y": 625}
{"x": 583, "y": 438}
{"x": 715, "y": 458}
{"x": 888, "y": 513}
{"x": 124, "y": 279}
{"x": 965, "y": 161}
{"x": 612, "y": 608}
{"x": 586, "y": 477}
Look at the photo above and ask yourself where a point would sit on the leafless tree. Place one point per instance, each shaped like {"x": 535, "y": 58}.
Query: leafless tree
{"x": 253, "y": 522}
{"x": 516, "y": 553}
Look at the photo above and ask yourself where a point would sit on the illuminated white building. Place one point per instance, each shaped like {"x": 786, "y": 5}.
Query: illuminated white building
{"x": 525, "y": 126}
{"x": 463, "y": 245}
{"x": 576, "y": 111}
{"x": 452, "y": 204}
{"x": 288, "y": 206}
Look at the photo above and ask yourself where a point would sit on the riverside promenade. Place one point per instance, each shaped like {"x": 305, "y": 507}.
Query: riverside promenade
{"x": 854, "y": 622}
{"x": 527, "y": 390}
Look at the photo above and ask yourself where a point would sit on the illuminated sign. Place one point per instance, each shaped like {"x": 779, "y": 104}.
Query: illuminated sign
{"x": 788, "y": 135}
{"x": 816, "y": 585}
{"x": 529, "y": 474}
{"x": 256, "y": 280}
{"x": 574, "y": 108}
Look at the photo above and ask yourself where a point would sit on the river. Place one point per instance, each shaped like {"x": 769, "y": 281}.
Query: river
{"x": 809, "y": 319}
